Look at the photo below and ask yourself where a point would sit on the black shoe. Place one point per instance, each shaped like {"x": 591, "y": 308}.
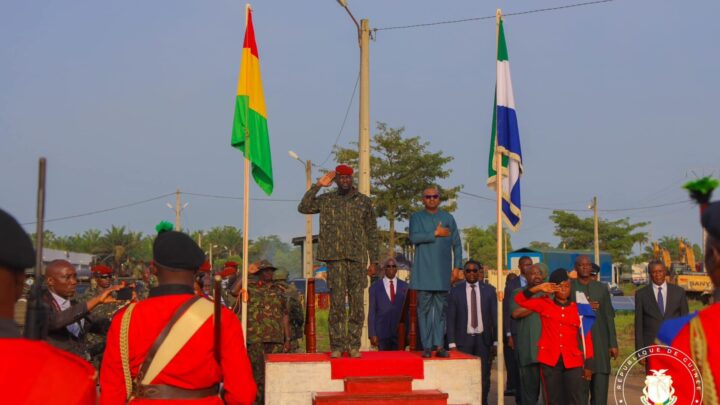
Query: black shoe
{"x": 509, "y": 393}
{"x": 442, "y": 353}
{"x": 427, "y": 353}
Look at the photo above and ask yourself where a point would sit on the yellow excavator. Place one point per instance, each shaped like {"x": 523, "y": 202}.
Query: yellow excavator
{"x": 683, "y": 273}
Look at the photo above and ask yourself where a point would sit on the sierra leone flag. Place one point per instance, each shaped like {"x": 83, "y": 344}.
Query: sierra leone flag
{"x": 505, "y": 138}
{"x": 250, "y": 130}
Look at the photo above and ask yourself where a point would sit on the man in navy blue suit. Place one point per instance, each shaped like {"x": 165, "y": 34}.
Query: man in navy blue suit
{"x": 472, "y": 320}
{"x": 387, "y": 298}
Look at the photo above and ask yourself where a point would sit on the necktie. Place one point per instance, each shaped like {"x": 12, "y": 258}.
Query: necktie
{"x": 661, "y": 302}
{"x": 392, "y": 292}
{"x": 473, "y": 310}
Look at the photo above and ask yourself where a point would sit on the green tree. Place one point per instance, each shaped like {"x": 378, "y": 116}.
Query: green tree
{"x": 401, "y": 168}
{"x": 482, "y": 244}
{"x": 540, "y": 245}
{"x": 672, "y": 244}
{"x": 120, "y": 244}
{"x": 228, "y": 239}
{"x": 616, "y": 237}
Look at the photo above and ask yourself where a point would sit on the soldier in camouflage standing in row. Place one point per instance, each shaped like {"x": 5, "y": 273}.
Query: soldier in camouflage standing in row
{"x": 295, "y": 308}
{"x": 349, "y": 246}
{"x": 95, "y": 340}
{"x": 268, "y": 325}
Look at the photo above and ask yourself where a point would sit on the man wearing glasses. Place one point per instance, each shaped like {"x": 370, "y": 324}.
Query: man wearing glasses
{"x": 387, "y": 299}
{"x": 438, "y": 263}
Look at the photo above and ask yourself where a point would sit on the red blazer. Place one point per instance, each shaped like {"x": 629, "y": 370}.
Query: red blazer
{"x": 194, "y": 366}
{"x": 33, "y": 372}
{"x": 560, "y": 334}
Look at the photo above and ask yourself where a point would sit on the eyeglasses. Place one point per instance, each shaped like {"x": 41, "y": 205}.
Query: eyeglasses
{"x": 105, "y": 276}
{"x": 472, "y": 270}
{"x": 432, "y": 196}
{"x": 391, "y": 266}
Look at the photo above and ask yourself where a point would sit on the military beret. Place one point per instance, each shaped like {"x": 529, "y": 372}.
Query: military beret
{"x": 711, "y": 219}
{"x": 205, "y": 267}
{"x": 231, "y": 264}
{"x": 559, "y": 275}
{"x": 176, "y": 250}
{"x": 260, "y": 266}
{"x": 344, "y": 170}
{"x": 227, "y": 271}
{"x": 100, "y": 269}
{"x": 16, "y": 249}
{"x": 280, "y": 275}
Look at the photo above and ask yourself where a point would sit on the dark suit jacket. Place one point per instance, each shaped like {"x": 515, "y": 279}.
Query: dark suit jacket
{"x": 457, "y": 315}
{"x": 384, "y": 316}
{"x": 510, "y": 325}
{"x": 58, "y": 334}
{"x": 647, "y": 313}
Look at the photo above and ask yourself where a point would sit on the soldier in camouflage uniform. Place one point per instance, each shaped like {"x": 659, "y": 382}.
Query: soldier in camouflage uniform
{"x": 348, "y": 238}
{"x": 268, "y": 326}
{"x": 295, "y": 308}
{"x": 95, "y": 339}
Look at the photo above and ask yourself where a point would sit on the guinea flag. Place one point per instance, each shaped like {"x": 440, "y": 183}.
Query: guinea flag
{"x": 250, "y": 131}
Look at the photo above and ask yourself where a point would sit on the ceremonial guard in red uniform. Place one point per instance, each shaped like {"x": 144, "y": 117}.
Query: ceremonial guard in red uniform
{"x": 164, "y": 349}
{"x": 697, "y": 335}
{"x": 32, "y": 372}
{"x": 563, "y": 362}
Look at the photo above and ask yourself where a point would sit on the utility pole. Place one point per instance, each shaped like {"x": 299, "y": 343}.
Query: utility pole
{"x": 178, "y": 208}
{"x": 597, "y": 233}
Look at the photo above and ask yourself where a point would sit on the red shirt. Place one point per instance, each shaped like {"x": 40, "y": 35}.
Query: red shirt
{"x": 560, "y": 332}
{"x": 193, "y": 367}
{"x": 33, "y": 372}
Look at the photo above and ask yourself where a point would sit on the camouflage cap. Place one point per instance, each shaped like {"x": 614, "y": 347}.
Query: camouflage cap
{"x": 261, "y": 265}
{"x": 280, "y": 275}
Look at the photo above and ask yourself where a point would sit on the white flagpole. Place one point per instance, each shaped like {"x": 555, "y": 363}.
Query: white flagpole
{"x": 246, "y": 220}
{"x": 500, "y": 280}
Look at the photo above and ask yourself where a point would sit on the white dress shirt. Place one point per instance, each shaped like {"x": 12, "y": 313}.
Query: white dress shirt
{"x": 468, "y": 295}
{"x": 656, "y": 288}
{"x": 64, "y": 304}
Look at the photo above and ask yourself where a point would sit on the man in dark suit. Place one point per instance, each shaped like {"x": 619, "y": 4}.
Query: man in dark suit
{"x": 510, "y": 326}
{"x": 387, "y": 299}
{"x": 472, "y": 320}
{"x": 656, "y": 303}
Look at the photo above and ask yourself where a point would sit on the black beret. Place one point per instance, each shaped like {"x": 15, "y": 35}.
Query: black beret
{"x": 711, "y": 219}
{"x": 16, "y": 249}
{"x": 559, "y": 275}
{"x": 177, "y": 250}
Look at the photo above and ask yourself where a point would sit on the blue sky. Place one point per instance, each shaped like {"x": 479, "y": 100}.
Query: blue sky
{"x": 130, "y": 100}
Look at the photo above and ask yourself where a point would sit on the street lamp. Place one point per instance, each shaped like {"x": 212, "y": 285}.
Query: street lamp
{"x": 307, "y": 247}
{"x": 178, "y": 208}
{"x": 363, "y": 29}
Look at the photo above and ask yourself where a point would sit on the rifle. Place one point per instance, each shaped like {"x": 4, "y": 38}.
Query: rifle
{"x": 36, "y": 317}
{"x": 217, "y": 297}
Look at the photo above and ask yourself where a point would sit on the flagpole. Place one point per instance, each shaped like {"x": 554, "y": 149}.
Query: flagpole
{"x": 500, "y": 284}
{"x": 246, "y": 220}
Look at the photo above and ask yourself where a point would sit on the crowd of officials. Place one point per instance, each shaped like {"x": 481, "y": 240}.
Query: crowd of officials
{"x": 168, "y": 342}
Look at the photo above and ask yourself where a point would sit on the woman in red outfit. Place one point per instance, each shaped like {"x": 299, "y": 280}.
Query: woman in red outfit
{"x": 563, "y": 362}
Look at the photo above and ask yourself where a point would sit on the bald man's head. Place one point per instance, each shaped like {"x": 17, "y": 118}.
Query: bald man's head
{"x": 61, "y": 278}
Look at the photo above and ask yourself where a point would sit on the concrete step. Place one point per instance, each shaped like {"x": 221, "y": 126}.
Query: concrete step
{"x": 377, "y": 385}
{"x": 420, "y": 397}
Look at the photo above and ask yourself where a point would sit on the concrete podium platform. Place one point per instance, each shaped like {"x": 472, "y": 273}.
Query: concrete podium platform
{"x": 294, "y": 379}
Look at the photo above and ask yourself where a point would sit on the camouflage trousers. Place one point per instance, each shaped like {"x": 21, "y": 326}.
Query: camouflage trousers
{"x": 346, "y": 278}
{"x": 256, "y": 353}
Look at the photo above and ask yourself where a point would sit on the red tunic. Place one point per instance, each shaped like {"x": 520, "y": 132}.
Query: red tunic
{"x": 33, "y": 372}
{"x": 194, "y": 366}
{"x": 560, "y": 332}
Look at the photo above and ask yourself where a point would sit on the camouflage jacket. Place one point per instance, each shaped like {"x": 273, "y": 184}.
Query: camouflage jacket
{"x": 266, "y": 307}
{"x": 348, "y": 226}
{"x": 295, "y": 309}
{"x": 102, "y": 314}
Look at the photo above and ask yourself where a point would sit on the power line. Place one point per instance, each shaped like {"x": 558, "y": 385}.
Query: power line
{"x": 492, "y": 17}
{"x": 102, "y": 210}
{"x": 581, "y": 210}
{"x": 342, "y": 127}
{"x": 230, "y": 197}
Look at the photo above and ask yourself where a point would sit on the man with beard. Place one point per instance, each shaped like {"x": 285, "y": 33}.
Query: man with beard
{"x": 348, "y": 244}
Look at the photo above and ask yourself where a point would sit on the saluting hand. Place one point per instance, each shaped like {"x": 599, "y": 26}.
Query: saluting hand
{"x": 326, "y": 180}
{"x": 441, "y": 232}
{"x": 546, "y": 288}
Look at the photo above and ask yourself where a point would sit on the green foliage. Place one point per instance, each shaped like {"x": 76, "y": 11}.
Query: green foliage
{"x": 482, "y": 244}
{"x": 226, "y": 241}
{"x": 616, "y": 237}
{"x": 401, "y": 168}
{"x": 672, "y": 244}
{"x": 283, "y": 255}
{"x": 540, "y": 245}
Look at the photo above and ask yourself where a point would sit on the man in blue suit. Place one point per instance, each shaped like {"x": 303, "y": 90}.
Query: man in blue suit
{"x": 472, "y": 320}
{"x": 387, "y": 298}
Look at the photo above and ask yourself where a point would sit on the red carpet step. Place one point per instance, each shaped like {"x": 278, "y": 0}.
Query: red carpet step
{"x": 380, "y": 390}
